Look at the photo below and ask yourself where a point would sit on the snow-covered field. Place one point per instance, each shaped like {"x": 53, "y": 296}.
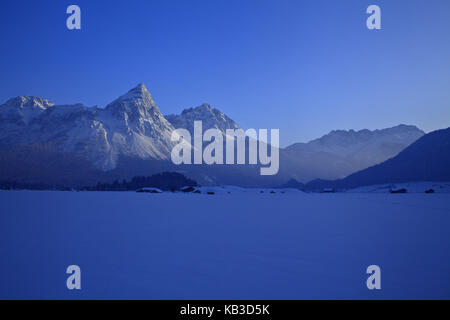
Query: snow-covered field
{"x": 241, "y": 245}
{"x": 411, "y": 187}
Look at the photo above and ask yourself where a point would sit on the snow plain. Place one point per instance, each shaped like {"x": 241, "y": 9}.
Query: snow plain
{"x": 411, "y": 187}
{"x": 224, "y": 246}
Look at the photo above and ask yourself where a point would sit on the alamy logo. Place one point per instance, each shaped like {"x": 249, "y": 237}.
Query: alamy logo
{"x": 374, "y": 20}
{"x": 213, "y": 153}
{"x": 74, "y": 20}
{"x": 374, "y": 280}
{"x": 74, "y": 280}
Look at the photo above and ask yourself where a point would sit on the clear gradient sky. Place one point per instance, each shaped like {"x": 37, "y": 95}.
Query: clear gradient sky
{"x": 305, "y": 67}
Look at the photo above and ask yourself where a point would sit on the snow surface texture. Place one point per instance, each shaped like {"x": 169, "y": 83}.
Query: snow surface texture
{"x": 225, "y": 246}
{"x": 239, "y": 190}
{"x": 411, "y": 187}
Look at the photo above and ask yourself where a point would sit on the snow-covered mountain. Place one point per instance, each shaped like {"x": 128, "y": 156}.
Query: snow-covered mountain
{"x": 20, "y": 111}
{"x": 344, "y": 143}
{"x": 342, "y": 152}
{"x": 131, "y": 130}
{"x": 136, "y": 126}
{"x": 427, "y": 159}
{"x": 210, "y": 117}
{"x": 132, "y": 126}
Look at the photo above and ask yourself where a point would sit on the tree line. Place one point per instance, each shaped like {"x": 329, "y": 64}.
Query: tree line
{"x": 167, "y": 181}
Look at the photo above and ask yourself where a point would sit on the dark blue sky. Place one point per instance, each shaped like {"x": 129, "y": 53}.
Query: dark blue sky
{"x": 305, "y": 67}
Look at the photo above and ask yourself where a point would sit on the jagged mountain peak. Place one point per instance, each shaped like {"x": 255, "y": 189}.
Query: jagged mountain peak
{"x": 398, "y": 128}
{"x": 139, "y": 91}
{"x": 139, "y": 95}
{"x": 130, "y": 126}
{"x": 210, "y": 117}
{"x": 352, "y": 136}
{"x": 205, "y": 107}
{"x": 403, "y": 128}
{"x": 22, "y": 110}
{"x": 29, "y": 102}
{"x": 136, "y": 104}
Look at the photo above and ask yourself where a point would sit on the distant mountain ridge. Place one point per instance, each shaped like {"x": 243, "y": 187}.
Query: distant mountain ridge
{"x": 427, "y": 159}
{"x": 340, "y": 153}
{"x": 344, "y": 142}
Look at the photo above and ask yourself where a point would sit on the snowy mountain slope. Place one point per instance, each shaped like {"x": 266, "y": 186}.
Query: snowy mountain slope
{"x": 132, "y": 125}
{"x": 341, "y": 152}
{"x": 17, "y": 113}
{"x": 136, "y": 127}
{"x": 342, "y": 142}
{"x": 210, "y": 117}
{"x": 21, "y": 110}
{"x": 427, "y": 159}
